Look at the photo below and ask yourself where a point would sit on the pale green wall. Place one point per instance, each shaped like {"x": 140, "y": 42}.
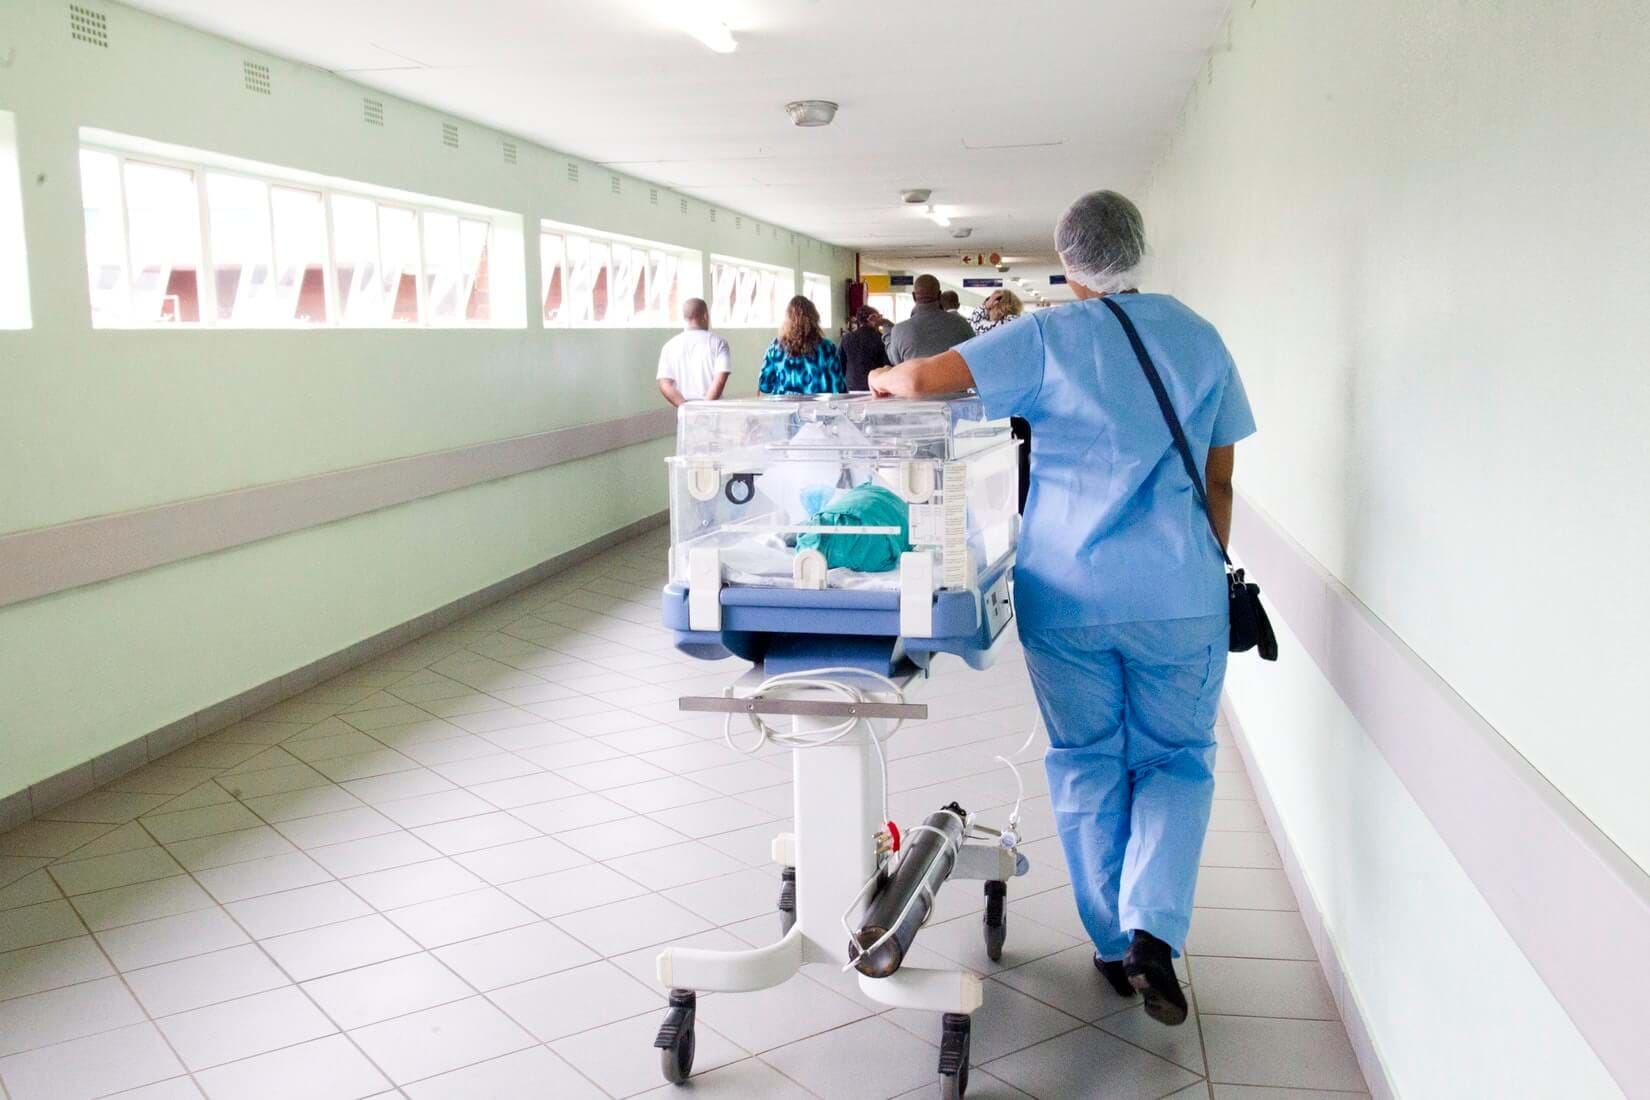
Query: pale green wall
{"x": 105, "y": 421}
{"x": 1422, "y": 229}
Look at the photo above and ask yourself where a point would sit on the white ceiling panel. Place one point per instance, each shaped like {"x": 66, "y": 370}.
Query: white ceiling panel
{"x": 1006, "y": 112}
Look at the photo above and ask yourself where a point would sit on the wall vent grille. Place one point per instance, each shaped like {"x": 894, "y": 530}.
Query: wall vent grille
{"x": 738, "y": 221}
{"x": 509, "y": 148}
{"x": 372, "y": 112}
{"x": 88, "y": 26}
{"x": 653, "y": 196}
{"x": 713, "y": 214}
{"x": 572, "y": 172}
{"x": 256, "y": 77}
{"x": 683, "y": 203}
{"x": 449, "y": 135}
{"x": 614, "y": 186}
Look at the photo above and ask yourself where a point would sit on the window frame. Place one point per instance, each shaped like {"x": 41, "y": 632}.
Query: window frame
{"x": 690, "y": 264}
{"x": 204, "y": 164}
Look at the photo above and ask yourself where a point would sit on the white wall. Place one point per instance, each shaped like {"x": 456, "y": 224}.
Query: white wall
{"x": 99, "y": 422}
{"x": 1422, "y": 228}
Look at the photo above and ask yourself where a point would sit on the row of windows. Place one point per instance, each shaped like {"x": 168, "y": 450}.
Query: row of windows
{"x": 174, "y": 238}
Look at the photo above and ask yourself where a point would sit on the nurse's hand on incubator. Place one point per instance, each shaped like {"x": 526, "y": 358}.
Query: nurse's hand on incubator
{"x": 946, "y": 372}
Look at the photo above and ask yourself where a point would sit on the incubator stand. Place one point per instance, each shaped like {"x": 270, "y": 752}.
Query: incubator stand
{"x": 839, "y": 651}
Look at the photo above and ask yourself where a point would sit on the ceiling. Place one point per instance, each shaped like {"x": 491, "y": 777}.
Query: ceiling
{"x": 1007, "y": 111}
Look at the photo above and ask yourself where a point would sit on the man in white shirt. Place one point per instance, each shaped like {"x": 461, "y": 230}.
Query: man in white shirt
{"x": 694, "y": 364}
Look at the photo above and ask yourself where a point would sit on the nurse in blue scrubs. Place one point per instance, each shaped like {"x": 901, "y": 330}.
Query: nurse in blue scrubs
{"x": 1120, "y": 589}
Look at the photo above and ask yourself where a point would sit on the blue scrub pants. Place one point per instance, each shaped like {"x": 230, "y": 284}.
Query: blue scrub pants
{"x": 1130, "y": 710}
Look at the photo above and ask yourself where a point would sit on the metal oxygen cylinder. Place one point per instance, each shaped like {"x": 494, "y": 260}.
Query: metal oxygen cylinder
{"x": 925, "y": 863}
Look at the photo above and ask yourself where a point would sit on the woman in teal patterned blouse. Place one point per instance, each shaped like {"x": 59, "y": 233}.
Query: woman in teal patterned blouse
{"x": 801, "y": 359}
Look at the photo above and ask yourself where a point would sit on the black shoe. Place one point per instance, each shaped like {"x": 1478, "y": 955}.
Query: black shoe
{"x": 1113, "y": 973}
{"x": 1149, "y": 965}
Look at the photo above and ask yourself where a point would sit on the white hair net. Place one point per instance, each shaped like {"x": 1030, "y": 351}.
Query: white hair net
{"x": 1101, "y": 239}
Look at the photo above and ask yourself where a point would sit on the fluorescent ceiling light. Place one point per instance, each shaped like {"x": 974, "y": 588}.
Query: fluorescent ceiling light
{"x": 703, "y": 20}
{"x": 938, "y": 219}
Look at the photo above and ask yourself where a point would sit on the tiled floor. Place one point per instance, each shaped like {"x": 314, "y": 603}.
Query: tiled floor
{"x": 447, "y": 874}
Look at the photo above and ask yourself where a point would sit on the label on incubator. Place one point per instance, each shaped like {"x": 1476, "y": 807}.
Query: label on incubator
{"x": 954, "y": 540}
{"x": 927, "y": 524}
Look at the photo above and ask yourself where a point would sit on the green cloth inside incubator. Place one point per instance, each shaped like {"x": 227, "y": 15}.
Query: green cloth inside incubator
{"x": 866, "y": 505}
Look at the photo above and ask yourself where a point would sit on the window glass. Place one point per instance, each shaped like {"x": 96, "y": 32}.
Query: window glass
{"x": 300, "y": 221}
{"x": 163, "y": 236}
{"x": 355, "y": 256}
{"x": 398, "y": 262}
{"x": 443, "y": 268}
{"x": 475, "y": 236}
{"x": 749, "y": 295}
{"x": 242, "y": 258}
{"x": 105, "y": 236}
{"x": 553, "y": 269}
{"x": 14, "y": 263}
{"x": 592, "y": 279}
{"x": 817, "y": 288}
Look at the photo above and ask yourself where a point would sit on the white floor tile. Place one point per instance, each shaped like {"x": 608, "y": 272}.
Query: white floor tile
{"x": 532, "y": 1074}
{"x": 438, "y": 1040}
{"x": 161, "y": 897}
{"x": 1007, "y": 1021}
{"x": 566, "y": 814}
{"x": 204, "y": 979}
{"x": 870, "y": 1058}
{"x": 1302, "y": 1054}
{"x": 1262, "y": 987}
{"x": 774, "y": 1017}
{"x": 417, "y": 882}
{"x": 238, "y": 1029}
{"x": 222, "y": 849}
{"x": 675, "y": 865}
{"x": 572, "y": 890}
{"x": 461, "y": 917}
{"x": 256, "y": 877}
{"x": 1243, "y": 888}
{"x": 157, "y": 941}
{"x": 1181, "y": 1045}
{"x": 322, "y": 1069}
{"x": 296, "y": 910}
{"x": 335, "y": 947}
{"x": 51, "y": 966}
{"x": 107, "y": 872}
{"x": 576, "y": 1000}
{"x": 175, "y": 1088}
{"x": 471, "y": 834}
{"x": 206, "y": 821}
{"x": 514, "y": 955}
{"x": 309, "y": 802}
{"x": 1249, "y": 933}
{"x": 730, "y": 898}
{"x": 713, "y": 818}
{"x": 1264, "y": 1092}
{"x": 375, "y": 853}
{"x": 1067, "y": 981}
{"x": 620, "y": 838}
{"x": 94, "y": 1066}
{"x": 1089, "y": 1064}
{"x": 337, "y": 827}
{"x": 382, "y": 991}
{"x": 44, "y": 922}
{"x": 740, "y": 1081}
{"x": 627, "y": 925}
{"x": 963, "y": 940}
{"x": 608, "y": 1055}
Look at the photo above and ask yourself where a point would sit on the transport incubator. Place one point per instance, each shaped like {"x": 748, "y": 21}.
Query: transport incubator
{"x": 841, "y": 543}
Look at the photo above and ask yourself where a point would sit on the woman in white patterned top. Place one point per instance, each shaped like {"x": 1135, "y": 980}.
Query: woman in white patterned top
{"x": 1001, "y": 307}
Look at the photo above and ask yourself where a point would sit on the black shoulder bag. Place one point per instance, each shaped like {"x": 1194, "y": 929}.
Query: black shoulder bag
{"x": 1250, "y": 626}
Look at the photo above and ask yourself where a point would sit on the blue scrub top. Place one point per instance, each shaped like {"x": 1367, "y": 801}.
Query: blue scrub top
{"x": 1113, "y": 530}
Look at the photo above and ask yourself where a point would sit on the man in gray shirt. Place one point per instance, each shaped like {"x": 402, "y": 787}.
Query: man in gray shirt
{"x": 930, "y": 329}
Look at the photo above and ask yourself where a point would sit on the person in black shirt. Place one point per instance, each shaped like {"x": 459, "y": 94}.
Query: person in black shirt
{"x": 862, "y": 349}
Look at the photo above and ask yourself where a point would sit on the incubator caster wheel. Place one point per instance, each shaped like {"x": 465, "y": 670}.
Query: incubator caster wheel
{"x": 675, "y": 1041}
{"x": 954, "y": 1056}
{"x": 995, "y": 919}
{"x": 787, "y": 900}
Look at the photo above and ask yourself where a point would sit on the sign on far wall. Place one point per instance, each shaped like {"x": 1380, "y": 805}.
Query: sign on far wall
{"x": 970, "y": 283}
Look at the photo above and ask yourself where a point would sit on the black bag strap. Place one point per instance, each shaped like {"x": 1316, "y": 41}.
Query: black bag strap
{"x": 1169, "y": 417}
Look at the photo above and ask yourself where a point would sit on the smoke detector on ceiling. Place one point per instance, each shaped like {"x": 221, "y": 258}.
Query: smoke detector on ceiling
{"x": 961, "y": 231}
{"x": 811, "y": 112}
{"x": 916, "y": 196}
